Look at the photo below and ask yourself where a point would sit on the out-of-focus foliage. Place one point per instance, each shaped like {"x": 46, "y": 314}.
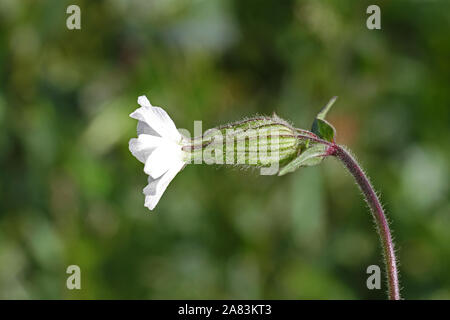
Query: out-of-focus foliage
{"x": 70, "y": 191}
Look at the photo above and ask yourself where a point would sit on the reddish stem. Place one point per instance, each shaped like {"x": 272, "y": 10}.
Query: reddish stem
{"x": 377, "y": 211}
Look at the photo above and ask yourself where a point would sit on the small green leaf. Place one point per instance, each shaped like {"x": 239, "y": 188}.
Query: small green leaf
{"x": 310, "y": 157}
{"x": 323, "y": 129}
{"x": 323, "y": 113}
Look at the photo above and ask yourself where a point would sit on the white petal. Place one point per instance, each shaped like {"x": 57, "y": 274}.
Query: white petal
{"x": 144, "y": 102}
{"x": 156, "y": 187}
{"x": 162, "y": 159}
{"x": 157, "y": 119}
{"x": 144, "y": 145}
{"x": 144, "y": 128}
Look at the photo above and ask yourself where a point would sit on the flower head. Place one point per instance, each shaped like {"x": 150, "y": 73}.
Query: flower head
{"x": 159, "y": 147}
{"x": 262, "y": 142}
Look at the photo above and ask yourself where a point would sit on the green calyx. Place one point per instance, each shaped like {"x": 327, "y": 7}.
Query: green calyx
{"x": 259, "y": 141}
{"x": 264, "y": 142}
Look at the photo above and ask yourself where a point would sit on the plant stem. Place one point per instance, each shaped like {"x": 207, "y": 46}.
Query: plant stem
{"x": 377, "y": 211}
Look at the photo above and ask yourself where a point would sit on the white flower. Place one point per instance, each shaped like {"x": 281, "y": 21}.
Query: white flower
{"x": 159, "y": 147}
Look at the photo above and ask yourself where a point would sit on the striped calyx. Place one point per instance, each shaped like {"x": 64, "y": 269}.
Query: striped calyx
{"x": 259, "y": 141}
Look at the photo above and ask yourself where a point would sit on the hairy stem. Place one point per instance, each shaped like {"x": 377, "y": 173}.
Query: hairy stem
{"x": 380, "y": 218}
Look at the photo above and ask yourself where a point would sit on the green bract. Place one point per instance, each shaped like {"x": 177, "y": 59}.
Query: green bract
{"x": 310, "y": 157}
{"x": 321, "y": 127}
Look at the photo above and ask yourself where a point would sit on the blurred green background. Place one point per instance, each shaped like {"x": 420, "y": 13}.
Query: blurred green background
{"x": 70, "y": 190}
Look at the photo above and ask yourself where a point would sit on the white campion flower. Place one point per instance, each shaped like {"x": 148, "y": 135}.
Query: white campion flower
{"x": 159, "y": 147}
{"x": 164, "y": 151}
